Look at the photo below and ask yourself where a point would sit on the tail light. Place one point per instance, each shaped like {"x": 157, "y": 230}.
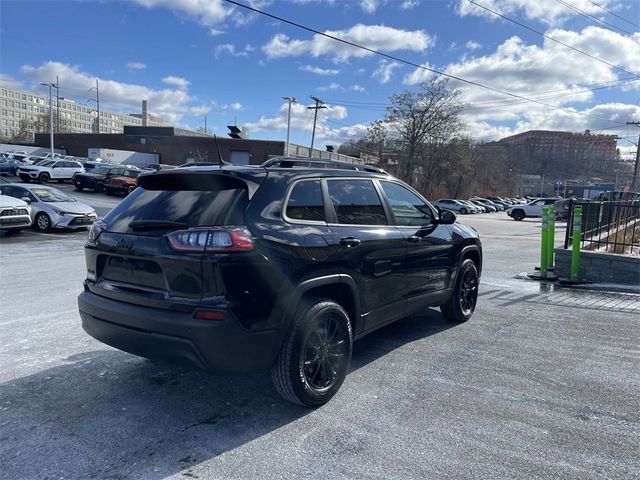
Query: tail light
{"x": 96, "y": 229}
{"x": 214, "y": 240}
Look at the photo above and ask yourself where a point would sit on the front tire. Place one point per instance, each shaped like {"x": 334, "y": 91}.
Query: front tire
{"x": 463, "y": 211}
{"x": 44, "y": 177}
{"x": 315, "y": 357}
{"x": 42, "y": 222}
{"x": 464, "y": 298}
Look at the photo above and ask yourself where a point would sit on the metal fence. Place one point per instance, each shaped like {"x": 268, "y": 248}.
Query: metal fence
{"x": 607, "y": 226}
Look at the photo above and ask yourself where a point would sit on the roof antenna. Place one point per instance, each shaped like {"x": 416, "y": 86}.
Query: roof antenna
{"x": 221, "y": 162}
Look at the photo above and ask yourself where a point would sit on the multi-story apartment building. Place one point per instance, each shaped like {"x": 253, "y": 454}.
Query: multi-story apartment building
{"x": 566, "y": 145}
{"x": 68, "y": 116}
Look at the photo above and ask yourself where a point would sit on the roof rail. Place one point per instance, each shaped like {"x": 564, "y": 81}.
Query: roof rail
{"x": 289, "y": 162}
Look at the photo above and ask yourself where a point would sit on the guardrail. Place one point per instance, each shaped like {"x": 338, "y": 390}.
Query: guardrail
{"x": 607, "y": 226}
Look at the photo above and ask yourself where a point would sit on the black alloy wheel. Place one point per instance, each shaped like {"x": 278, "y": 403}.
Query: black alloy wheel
{"x": 464, "y": 298}
{"x": 315, "y": 358}
{"x": 44, "y": 177}
{"x": 130, "y": 189}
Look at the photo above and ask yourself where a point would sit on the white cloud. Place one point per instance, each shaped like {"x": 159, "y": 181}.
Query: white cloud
{"x": 169, "y": 104}
{"x": 384, "y": 72}
{"x": 214, "y": 32}
{"x": 369, "y": 6}
{"x": 409, "y": 4}
{"x": 235, "y": 106}
{"x": 9, "y": 81}
{"x": 377, "y": 37}
{"x": 419, "y": 75}
{"x": 206, "y": 12}
{"x": 550, "y": 12}
{"x": 302, "y": 119}
{"x": 319, "y": 71}
{"x": 181, "y": 83}
{"x": 332, "y": 86}
{"x": 471, "y": 45}
{"x": 136, "y": 66}
{"x": 230, "y": 49}
{"x": 357, "y": 88}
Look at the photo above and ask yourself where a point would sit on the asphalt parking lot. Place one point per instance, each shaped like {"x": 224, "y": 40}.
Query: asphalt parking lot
{"x": 541, "y": 383}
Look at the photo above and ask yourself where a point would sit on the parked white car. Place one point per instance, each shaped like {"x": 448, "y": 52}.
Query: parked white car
{"x": 50, "y": 170}
{"x": 532, "y": 209}
{"x": 452, "y": 205}
{"x": 15, "y": 214}
{"x": 51, "y": 208}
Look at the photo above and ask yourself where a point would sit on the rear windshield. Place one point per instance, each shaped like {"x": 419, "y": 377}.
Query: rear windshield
{"x": 221, "y": 205}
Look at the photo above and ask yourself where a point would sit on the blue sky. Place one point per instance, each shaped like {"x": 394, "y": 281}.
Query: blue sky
{"x": 191, "y": 58}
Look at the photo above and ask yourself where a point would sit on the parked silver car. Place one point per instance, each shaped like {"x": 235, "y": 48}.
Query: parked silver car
{"x": 51, "y": 208}
{"x": 452, "y": 205}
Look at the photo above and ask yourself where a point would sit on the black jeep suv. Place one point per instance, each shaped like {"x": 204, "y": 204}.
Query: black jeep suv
{"x": 279, "y": 266}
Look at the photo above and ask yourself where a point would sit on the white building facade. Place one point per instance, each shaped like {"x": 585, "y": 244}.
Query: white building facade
{"x": 68, "y": 116}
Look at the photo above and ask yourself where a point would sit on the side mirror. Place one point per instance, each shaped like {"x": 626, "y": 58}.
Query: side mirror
{"x": 26, "y": 199}
{"x": 446, "y": 217}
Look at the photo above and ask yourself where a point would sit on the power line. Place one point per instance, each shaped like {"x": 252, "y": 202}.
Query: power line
{"x": 408, "y": 62}
{"x": 614, "y": 14}
{"x": 592, "y": 18}
{"x": 550, "y": 38}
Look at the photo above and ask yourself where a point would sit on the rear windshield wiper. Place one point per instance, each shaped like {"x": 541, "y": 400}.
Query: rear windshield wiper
{"x": 156, "y": 225}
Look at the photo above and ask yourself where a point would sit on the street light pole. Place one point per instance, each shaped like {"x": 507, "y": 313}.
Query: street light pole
{"x": 50, "y": 85}
{"x": 290, "y": 100}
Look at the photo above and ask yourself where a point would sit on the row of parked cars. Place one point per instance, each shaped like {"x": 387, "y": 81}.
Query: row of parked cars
{"x": 42, "y": 207}
{"x": 478, "y": 204}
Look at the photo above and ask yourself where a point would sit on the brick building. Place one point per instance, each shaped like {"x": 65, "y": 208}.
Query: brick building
{"x": 565, "y": 145}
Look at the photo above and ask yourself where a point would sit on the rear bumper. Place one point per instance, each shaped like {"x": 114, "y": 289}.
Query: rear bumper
{"x": 221, "y": 347}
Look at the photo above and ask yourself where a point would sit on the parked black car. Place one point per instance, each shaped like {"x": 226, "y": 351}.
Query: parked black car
{"x": 95, "y": 179}
{"x": 280, "y": 266}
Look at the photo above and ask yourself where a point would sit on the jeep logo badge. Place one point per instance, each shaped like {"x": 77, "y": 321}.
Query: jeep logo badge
{"x": 124, "y": 244}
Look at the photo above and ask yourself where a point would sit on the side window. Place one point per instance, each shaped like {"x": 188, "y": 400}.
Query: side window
{"x": 305, "y": 202}
{"x": 407, "y": 207}
{"x": 356, "y": 202}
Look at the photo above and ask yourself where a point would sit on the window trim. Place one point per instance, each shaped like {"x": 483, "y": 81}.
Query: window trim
{"x": 334, "y": 216}
{"x": 285, "y": 203}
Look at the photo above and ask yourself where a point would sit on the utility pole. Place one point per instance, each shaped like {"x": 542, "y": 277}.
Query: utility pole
{"x": 205, "y": 124}
{"x": 318, "y": 106}
{"x": 290, "y": 100}
{"x": 50, "y": 85}
{"x": 97, "y": 89}
{"x": 634, "y": 180}
{"x": 57, "y": 105}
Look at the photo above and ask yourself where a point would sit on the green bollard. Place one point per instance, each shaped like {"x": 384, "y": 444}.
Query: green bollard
{"x": 575, "y": 247}
{"x": 544, "y": 250}
{"x": 551, "y": 233}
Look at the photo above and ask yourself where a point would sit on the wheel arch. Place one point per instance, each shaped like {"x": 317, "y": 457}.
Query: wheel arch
{"x": 340, "y": 288}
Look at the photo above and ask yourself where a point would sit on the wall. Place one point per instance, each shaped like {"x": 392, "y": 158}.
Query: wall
{"x": 173, "y": 150}
{"x": 600, "y": 267}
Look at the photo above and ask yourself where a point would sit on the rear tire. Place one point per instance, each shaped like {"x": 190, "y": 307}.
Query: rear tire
{"x": 99, "y": 187}
{"x": 130, "y": 189}
{"x": 518, "y": 215}
{"x": 464, "y": 298}
{"x": 315, "y": 357}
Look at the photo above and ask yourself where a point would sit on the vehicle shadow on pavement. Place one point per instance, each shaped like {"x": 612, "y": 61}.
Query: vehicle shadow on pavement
{"x": 108, "y": 414}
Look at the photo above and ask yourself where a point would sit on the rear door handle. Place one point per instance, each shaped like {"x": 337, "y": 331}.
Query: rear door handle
{"x": 349, "y": 242}
{"x": 413, "y": 239}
